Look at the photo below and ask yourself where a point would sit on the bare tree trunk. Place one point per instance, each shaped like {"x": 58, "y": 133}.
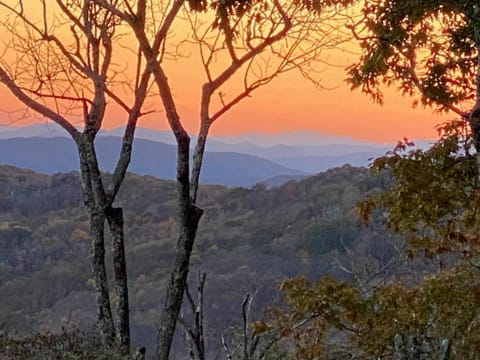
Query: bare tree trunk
{"x": 104, "y": 313}
{"x": 93, "y": 197}
{"x": 115, "y": 222}
{"x": 178, "y": 281}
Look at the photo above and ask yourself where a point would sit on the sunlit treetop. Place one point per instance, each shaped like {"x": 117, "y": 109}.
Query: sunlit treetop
{"x": 428, "y": 48}
{"x": 239, "y": 7}
{"x": 229, "y": 12}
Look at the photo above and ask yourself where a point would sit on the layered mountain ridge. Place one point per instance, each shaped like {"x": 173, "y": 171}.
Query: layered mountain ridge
{"x": 240, "y": 160}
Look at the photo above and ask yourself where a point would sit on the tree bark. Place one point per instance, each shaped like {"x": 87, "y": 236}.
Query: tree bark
{"x": 122, "y": 325}
{"x": 92, "y": 195}
{"x": 178, "y": 280}
{"x": 104, "y": 313}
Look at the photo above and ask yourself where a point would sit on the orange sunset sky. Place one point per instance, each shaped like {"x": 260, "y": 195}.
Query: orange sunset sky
{"x": 292, "y": 103}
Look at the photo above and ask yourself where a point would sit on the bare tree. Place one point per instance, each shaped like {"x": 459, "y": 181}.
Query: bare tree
{"x": 64, "y": 63}
{"x": 246, "y": 42}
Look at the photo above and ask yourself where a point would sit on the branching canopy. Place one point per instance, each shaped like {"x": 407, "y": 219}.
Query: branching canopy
{"x": 428, "y": 48}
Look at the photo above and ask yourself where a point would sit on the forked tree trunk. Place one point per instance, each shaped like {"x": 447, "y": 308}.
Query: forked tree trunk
{"x": 178, "y": 280}
{"x": 100, "y": 211}
{"x": 189, "y": 217}
{"x": 122, "y": 325}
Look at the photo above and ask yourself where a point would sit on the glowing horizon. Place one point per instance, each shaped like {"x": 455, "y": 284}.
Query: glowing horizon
{"x": 289, "y": 103}
{"x": 286, "y": 106}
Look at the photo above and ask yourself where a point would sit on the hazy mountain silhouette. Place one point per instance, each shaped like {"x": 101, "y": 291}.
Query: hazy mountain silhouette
{"x": 317, "y": 164}
{"x": 239, "y": 141}
{"x": 264, "y": 156}
{"x": 48, "y": 129}
{"x": 52, "y": 155}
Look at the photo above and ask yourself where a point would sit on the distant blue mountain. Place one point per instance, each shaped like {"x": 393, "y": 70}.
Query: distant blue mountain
{"x": 279, "y": 152}
{"x": 51, "y": 155}
{"x": 248, "y": 140}
{"x": 45, "y": 155}
{"x": 47, "y": 129}
{"x": 240, "y": 141}
{"x": 321, "y": 163}
{"x": 232, "y": 160}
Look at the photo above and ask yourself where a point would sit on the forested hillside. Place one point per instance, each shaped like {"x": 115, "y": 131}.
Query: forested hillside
{"x": 248, "y": 241}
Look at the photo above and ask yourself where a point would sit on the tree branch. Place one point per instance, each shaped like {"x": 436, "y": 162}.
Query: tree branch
{"x": 36, "y": 106}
